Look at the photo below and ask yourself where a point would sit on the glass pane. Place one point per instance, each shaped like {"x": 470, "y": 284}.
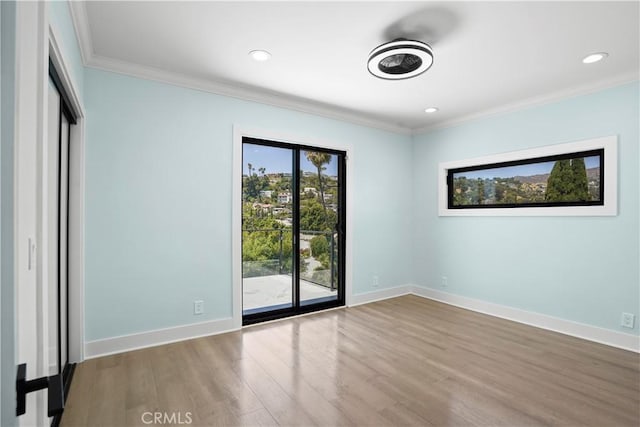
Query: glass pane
{"x": 64, "y": 234}
{"x": 319, "y": 207}
{"x": 53, "y": 137}
{"x": 267, "y": 238}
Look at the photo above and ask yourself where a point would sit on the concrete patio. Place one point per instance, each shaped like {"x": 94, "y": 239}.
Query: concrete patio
{"x": 267, "y": 291}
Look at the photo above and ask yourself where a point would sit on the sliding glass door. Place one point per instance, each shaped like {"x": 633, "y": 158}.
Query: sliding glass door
{"x": 293, "y": 214}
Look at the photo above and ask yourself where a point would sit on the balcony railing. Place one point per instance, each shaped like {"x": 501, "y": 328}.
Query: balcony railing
{"x": 281, "y": 263}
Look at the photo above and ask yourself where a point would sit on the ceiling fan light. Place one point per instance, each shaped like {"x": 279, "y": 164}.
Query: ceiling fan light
{"x": 400, "y": 59}
{"x": 594, "y": 57}
{"x": 260, "y": 55}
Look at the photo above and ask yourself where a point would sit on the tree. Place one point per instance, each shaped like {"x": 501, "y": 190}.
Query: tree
{"x": 580, "y": 181}
{"x": 480, "y": 191}
{"x": 319, "y": 160}
{"x": 560, "y": 182}
{"x": 568, "y": 182}
{"x": 319, "y": 246}
{"x": 460, "y": 188}
{"x": 254, "y": 184}
{"x": 314, "y": 218}
{"x": 500, "y": 191}
{"x": 267, "y": 245}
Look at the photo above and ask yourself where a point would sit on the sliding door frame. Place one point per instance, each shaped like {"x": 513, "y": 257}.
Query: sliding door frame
{"x": 65, "y": 367}
{"x": 297, "y": 307}
{"x": 303, "y": 143}
{"x": 55, "y": 56}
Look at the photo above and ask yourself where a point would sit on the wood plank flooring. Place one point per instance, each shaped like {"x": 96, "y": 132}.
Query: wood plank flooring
{"x": 402, "y": 361}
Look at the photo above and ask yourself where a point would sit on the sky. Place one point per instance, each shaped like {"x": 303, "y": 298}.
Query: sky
{"x": 522, "y": 170}
{"x": 275, "y": 159}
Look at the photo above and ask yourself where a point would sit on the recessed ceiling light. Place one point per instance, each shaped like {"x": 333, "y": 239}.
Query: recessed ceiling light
{"x": 260, "y": 55}
{"x": 595, "y": 57}
{"x": 400, "y": 59}
{"x": 431, "y": 110}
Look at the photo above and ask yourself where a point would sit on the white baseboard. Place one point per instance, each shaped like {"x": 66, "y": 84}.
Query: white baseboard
{"x": 121, "y": 344}
{"x": 567, "y": 327}
{"x": 368, "y": 297}
{"x": 154, "y": 338}
{"x": 105, "y": 347}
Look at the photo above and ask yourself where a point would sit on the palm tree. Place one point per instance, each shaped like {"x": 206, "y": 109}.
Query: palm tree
{"x": 319, "y": 160}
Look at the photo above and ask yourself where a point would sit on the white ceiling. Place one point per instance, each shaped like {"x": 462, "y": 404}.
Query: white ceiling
{"x": 489, "y": 56}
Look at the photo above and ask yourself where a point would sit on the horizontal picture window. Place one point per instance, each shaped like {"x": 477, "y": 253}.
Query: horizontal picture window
{"x": 571, "y": 179}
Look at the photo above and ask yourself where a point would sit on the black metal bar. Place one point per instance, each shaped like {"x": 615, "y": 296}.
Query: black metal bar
{"x": 332, "y": 261}
{"x": 67, "y": 107}
{"x": 55, "y": 394}
{"x": 21, "y": 379}
{"x": 53, "y": 384}
{"x": 296, "y": 228}
{"x": 341, "y": 226}
{"x": 280, "y": 256}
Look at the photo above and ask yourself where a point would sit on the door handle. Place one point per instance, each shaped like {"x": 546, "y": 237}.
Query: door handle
{"x": 53, "y": 384}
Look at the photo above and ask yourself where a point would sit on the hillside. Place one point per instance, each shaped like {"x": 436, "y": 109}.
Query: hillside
{"x": 593, "y": 174}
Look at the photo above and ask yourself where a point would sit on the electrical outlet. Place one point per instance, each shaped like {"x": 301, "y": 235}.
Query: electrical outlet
{"x": 445, "y": 282}
{"x": 198, "y": 307}
{"x": 375, "y": 281}
{"x": 627, "y": 320}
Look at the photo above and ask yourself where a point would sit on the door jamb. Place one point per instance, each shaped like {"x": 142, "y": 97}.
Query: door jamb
{"x": 35, "y": 42}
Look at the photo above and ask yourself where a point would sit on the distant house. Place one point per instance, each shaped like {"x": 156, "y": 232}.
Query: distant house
{"x": 310, "y": 190}
{"x": 284, "y": 197}
{"x": 277, "y": 211}
{"x": 266, "y": 193}
{"x": 263, "y": 207}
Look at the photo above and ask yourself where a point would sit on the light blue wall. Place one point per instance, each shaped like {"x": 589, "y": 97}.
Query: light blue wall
{"x": 158, "y": 200}
{"x": 60, "y": 18}
{"x": 159, "y": 208}
{"x": 584, "y": 269}
{"x": 7, "y": 310}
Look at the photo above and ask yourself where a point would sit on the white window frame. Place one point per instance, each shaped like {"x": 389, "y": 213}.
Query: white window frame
{"x": 609, "y": 208}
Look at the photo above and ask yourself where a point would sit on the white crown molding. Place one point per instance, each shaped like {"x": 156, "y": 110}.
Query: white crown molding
{"x": 536, "y": 101}
{"x": 261, "y": 96}
{"x": 80, "y": 21}
{"x": 56, "y": 55}
{"x": 90, "y": 59}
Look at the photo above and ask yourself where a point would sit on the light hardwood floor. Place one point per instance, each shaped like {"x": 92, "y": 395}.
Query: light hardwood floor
{"x": 402, "y": 361}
